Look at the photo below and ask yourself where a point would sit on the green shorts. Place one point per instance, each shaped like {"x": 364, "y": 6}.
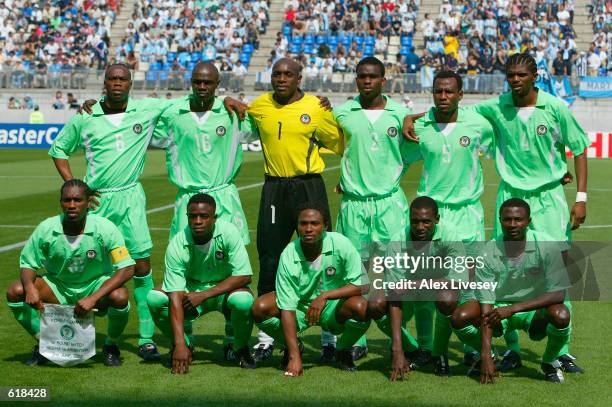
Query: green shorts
{"x": 67, "y": 295}
{"x": 549, "y": 210}
{"x": 229, "y": 209}
{"x": 380, "y": 220}
{"x": 126, "y": 208}
{"x": 522, "y": 320}
{"x": 467, "y": 219}
{"x": 218, "y": 303}
{"x": 327, "y": 320}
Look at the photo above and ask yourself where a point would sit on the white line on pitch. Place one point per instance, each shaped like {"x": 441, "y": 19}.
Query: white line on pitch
{"x": 154, "y": 210}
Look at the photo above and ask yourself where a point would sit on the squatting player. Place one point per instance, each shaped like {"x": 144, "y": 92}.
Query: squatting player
{"x": 115, "y": 137}
{"x": 86, "y": 265}
{"x": 374, "y": 207}
{"x": 530, "y": 294}
{"x": 292, "y": 126}
{"x": 207, "y": 269}
{"x": 320, "y": 280}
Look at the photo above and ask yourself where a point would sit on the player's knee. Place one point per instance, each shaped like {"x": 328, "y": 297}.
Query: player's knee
{"x": 15, "y": 292}
{"x": 261, "y": 310}
{"x": 240, "y": 301}
{"x": 119, "y": 298}
{"x": 461, "y": 318}
{"x": 377, "y": 307}
{"x": 359, "y": 308}
{"x": 446, "y": 302}
{"x": 559, "y": 316}
{"x": 156, "y": 299}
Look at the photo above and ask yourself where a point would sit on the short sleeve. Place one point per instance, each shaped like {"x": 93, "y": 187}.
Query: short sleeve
{"x": 119, "y": 255}
{"x": 32, "y": 256}
{"x": 68, "y": 139}
{"x": 160, "y": 137}
{"x": 247, "y": 129}
{"x": 355, "y": 272}
{"x": 487, "y": 138}
{"x": 238, "y": 257}
{"x": 557, "y": 278}
{"x": 485, "y": 274}
{"x": 410, "y": 152}
{"x": 329, "y": 133}
{"x": 572, "y": 133}
{"x": 287, "y": 286}
{"x": 176, "y": 266}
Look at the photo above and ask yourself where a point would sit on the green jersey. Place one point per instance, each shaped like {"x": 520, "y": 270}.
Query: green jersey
{"x": 76, "y": 260}
{"x": 452, "y": 173}
{"x": 539, "y": 270}
{"x": 530, "y": 141}
{"x": 114, "y": 144}
{"x": 372, "y": 163}
{"x": 203, "y": 149}
{"x": 190, "y": 266}
{"x": 299, "y": 282}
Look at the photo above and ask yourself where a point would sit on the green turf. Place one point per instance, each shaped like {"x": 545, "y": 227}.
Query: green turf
{"x": 29, "y": 193}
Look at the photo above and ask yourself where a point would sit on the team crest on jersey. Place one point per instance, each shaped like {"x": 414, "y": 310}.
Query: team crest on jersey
{"x": 91, "y": 254}
{"x": 219, "y": 255}
{"x": 391, "y": 132}
{"x": 137, "y": 128}
{"x": 330, "y": 271}
{"x": 305, "y": 118}
{"x": 464, "y": 141}
{"x": 220, "y": 131}
{"x": 542, "y": 130}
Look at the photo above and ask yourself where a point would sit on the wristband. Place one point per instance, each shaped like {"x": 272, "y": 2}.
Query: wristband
{"x": 581, "y": 196}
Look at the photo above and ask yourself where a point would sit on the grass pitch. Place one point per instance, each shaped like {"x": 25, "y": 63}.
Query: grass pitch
{"x": 29, "y": 192}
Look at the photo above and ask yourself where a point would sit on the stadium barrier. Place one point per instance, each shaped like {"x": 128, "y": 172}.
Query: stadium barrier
{"x": 595, "y": 87}
{"x": 18, "y": 135}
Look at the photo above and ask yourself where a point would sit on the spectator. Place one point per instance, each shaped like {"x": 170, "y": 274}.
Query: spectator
{"x": 72, "y": 102}
{"x": 58, "y": 101}
{"x": 239, "y": 73}
{"x": 559, "y": 65}
{"x": 13, "y": 103}
{"x": 37, "y": 117}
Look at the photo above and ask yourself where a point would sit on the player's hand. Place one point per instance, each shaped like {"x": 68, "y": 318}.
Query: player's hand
{"x": 578, "y": 215}
{"x": 192, "y": 300}
{"x": 84, "y": 305}
{"x": 235, "y": 106}
{"x": 408, "y": 130}
{"x": 338, "y": 189}
{"x": 33, "y": 299}
{"x": 294, "y": 367}
{"x": 487, "y": 371}
{"x": 324, "y": 103}
{"x": 181, "y": 359}
{"x": 494, "y": 318}
{"x": 567, "y": 178}
{"x": 314, "y": 310}
{"x": 93, "y": 200}
{"x": 86, "y": 106}
{"x": 399, "y": 366}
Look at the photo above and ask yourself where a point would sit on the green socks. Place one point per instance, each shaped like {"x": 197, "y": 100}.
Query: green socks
{"x": 353, "y": 331}
{"x": 27, "y": 317}
{"x": 443, "y": 332}
{"x": 558, "y": 339}
{"x": 146, "y": 327}
{"x": 408, "y": 342}
{"x": 117, "y": 320}
{"x": 272, "y": 327}
{"x": 158, "y": 303}
{"x": 470, "y": 335}
{"x": 424, "y": 322}
{"x": 512, "y": 340}
{"x": 240, "y": 303}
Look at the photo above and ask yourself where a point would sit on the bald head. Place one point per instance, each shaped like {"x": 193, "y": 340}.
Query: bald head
{"x": 287, "y": 64}
{"x": 205, "y": 69}
{"x": 120, "y": 68}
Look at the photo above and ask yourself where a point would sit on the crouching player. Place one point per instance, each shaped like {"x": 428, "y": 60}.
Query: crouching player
{"x": 320, "y": 281}
{"x": 87, "y": 265}
{"x": 527, "y": 282}
{"x": 207, "y": 269}
{"x": 437, "y": 245}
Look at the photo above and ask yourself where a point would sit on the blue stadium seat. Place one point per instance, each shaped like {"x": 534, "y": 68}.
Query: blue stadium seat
{"x": 358, "y": 40}
{"x": 404, "y": 51}
{"x": 308, "y": 49}
{"x": 166, "y": 66}
{"x": 171, "y": 56}
{"x": 346, "y": 41}
{"x": 163, "y": 75}
{"x": 183, "y": 58}
{"x": 332, "y": 40}
{"x": 321, "y": 39}
{"x": 295, "y": 49}
{"x": 287, "y": 30}
{"x": 245, "y": 59}
{"x": 297, "y": 40}
{"x": 332, "y": 47}
{"x": 368, "y": 50}
{"x": 191, "y": 65}
{"x": 196, "y": 56}
{"x": 247, "y": 48}
{"x": 155, "y": 66}
{"x": 371, "y": 40}
{"x": 406, "y": 40}
{"x": 309, "y": 39}
{"x": 151, "y": 75}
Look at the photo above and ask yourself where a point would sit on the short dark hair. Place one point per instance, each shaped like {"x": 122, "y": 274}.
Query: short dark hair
{"x": 522, "y": 59}
{"x": 74, "y": 182}
{"x": 316, "y": 206}
{"x": 424, "y": 202}
{"x": 372, "y": 61}
{"x": 202, "y": 198}
{"x": 449, "y": 74}
{"x": 515, "y": 203}
{"x": 118, "y": 64}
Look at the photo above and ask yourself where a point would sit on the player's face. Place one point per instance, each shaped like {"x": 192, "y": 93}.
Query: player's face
{"x": 370, "y": 81}
{"x": 285, "y": 80}
{"x": 514, "y": 223}
{"x": 201, "y": 218}
{"x": 74, "y": 203}
{"x": 520, "y": 79}
{"x": 446, "y": 95}
{"x": 310, "y": 226}
{"x": 204, "y": 83}
{"x": 423, "y": 224}
{"x": 117, "y": 83}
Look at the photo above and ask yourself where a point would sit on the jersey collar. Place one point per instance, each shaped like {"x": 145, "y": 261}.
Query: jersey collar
{"x": 184, "y": 106}
{"x": 430, "y": 118}
{"x": 390, "y": 106}
{"x": 96, "y": 110}
{"x": 328, "y": 248}
{"x": 499, "y": 249}
{"x": 58, "y": 229}
{"x": 541, "y": 101}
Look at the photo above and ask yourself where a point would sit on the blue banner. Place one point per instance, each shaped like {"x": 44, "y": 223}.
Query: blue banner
{"x": 23, "y": 135}
{"x": 595, "y": 87}
{"x": 561, "y": 87}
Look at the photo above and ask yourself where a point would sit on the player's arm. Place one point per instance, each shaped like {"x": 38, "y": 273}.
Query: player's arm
{"x": 32, "y": 297}
{"x": 31, "y": 259}
{"x": 294, "y": 367}
{"x": 119, "y": 278}
{"x": 181, "y": 355}
{"x": 316, "y": 306}
{"x": 399, "y": 365}
{"x": 329, "y": 133}
{"x": 192, "y": 300}
{"x": 408, "y": 126}
{"x": 495, "y": 316}
{"x": 487, "y": 367}
{"x": 578, "y": 213}
{"x": 64, "y": 145}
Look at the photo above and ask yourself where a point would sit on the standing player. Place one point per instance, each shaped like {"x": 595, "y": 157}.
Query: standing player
{"x": 115, "y": 138}
{"x": 530, "y": 293}
{"x": 320, "y": 280}
{"x": 207, "y": 269}
{"x": 87, "y": 265}
{"x": 292, "y": 126}
{"x": 374, "y": 207}
{"x": 532, "y": 129}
